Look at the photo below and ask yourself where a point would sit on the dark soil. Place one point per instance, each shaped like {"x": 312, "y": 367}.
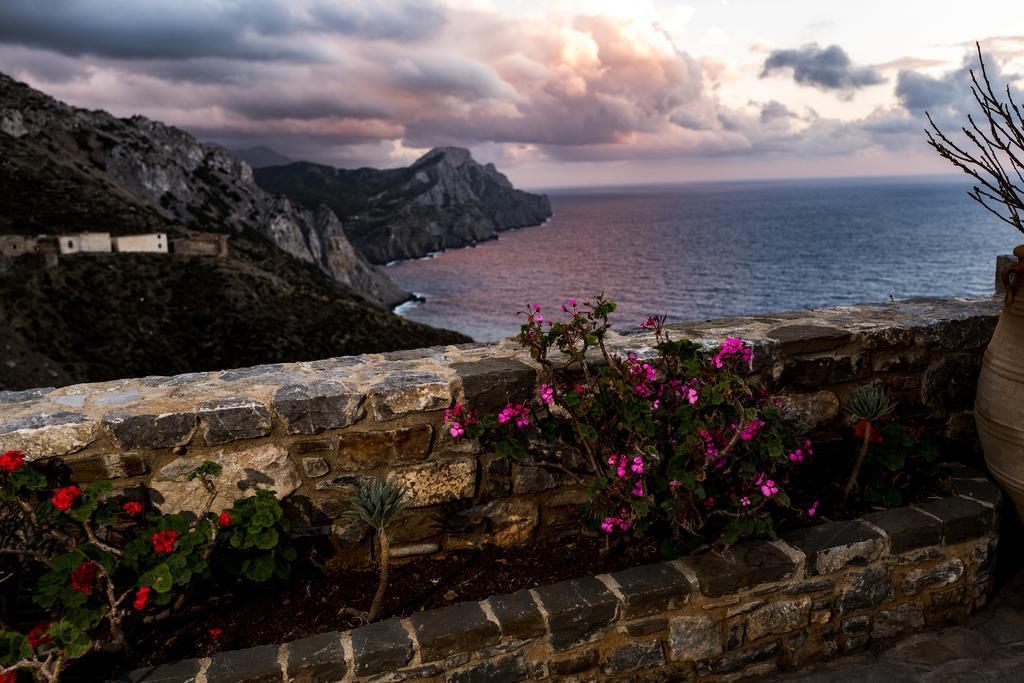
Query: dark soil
{"x": 316, "y": 601}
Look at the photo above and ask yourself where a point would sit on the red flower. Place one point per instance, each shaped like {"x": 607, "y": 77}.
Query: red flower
{"x": 215, "y": 632}
{"x": 84, "y": 577}
{"x": 9, "y": 677}
{"x": 62, "y": 498}
{"x": 876, "y": 436}
{"x": 224, "y": 519}
{"x": 40, "y": 635}
{"x": 141, "y": 598}
{"x": 163, "y": 541}
{"x": 11, "y": 461}
{"x": 132, "y": 508}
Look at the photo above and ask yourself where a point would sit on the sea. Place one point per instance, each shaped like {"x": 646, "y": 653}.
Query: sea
{"x": 708, "y": 250}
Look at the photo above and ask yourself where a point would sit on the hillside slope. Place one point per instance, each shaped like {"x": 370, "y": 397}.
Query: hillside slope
{"x": 105, "y": 316}
{"x": 201, "y": 187}
{"x": 444, "y": 200}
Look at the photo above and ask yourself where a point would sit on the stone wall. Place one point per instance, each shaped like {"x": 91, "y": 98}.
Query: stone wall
{"x": 747, "y": 612}
{"x": 311, "y": 430}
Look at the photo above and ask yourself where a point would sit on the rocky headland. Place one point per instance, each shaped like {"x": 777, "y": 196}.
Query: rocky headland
{"x": 446, "y": 199}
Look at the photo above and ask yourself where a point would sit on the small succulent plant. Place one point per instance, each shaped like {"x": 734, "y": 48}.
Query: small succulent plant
{"x": 866, "y": 405}
{"x": 377, "y": 504}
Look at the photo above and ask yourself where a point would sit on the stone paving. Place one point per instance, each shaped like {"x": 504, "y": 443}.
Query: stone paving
{"x": 989, "y": 648}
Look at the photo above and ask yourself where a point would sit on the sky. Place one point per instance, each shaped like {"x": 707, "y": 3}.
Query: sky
{"x": 555, "y": 93}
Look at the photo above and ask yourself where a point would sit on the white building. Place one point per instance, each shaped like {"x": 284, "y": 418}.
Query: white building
{"x": 153, "y": 243}
{"x": 16, "y": 245}
{"x": 68, "y": 244}
{"x": 94, "y": 242}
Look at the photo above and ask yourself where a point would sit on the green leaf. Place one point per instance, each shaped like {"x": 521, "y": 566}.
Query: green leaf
{"x": 159, "y": 579}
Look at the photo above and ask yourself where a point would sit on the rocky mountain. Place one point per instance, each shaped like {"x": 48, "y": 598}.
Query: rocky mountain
{"x": 97, "y": 317}
{"x": 261, "y": 156}
{"x": 445, "y": 199}
{"x": 201, "y": 187}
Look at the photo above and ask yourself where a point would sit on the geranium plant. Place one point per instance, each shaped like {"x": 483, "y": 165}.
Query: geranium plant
{"x": 109, "y": 564}
{"x": 677, "y": 443}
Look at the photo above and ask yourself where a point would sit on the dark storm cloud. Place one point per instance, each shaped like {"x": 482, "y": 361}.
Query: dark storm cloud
{"x": 163, "y": 29}
{"x": 829, "y": 68}
{"x": 918, "y": 92}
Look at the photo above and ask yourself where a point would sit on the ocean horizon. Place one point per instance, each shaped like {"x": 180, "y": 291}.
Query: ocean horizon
{"x": 700, "y": 250}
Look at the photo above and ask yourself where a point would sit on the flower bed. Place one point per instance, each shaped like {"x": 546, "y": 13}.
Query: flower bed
{"x": 756, "y": 608}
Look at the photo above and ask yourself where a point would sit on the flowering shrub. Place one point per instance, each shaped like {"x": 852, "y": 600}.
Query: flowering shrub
{"x": 678, "y": 445}
{"x": 108, "y": 566}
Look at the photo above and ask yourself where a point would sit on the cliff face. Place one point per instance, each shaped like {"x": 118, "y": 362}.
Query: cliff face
{"x": 201, "y": 187}
{"x": 444, "y": 200}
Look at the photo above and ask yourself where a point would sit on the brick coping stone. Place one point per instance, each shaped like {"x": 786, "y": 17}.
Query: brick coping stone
{"x": 754, "y": 609}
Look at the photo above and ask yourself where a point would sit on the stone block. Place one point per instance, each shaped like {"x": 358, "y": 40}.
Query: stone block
{"x": 907, "y": 528}
{"x": 185, "y": 671}
{"x": 48, "y": 435}
{"x": 417, "y": 525}
{"x": 820, "y": 372}
{"x": 229, "y": 419}
{"x": 165, "y": 430}
{"x": 509, "y": 668}
{"x": 317, "y": 659}
{"x": 943, "y": 574}
{"x": 814, "y": 408}
{"x": 888, "y": 623}
{"x": 644, "y": 626}
{"x": 743, "y": 566}
{"x": 797, "y": 339}
{"x": 380, "y": 647}
{"x": 108, "y": 466}
{"x": 409, "y": 392}
{"x": 869, "y": 588}
{"x": 503, "y": 523}
{"x": 460, "y": 628}
{"x": 778, "y": 617}
{"x": 379, "y": 448}
{"x": 488, "y": 384}
{"x": 315, "y": 467}
{"x": 832, "y": 546}
{"x": 251, "y": 665}
{"x": 962, "y": 519}
{"x": 243, "y": 473}
{"x": 517, "y": 615}
{"x": 575, "y": 663}
{"x": 981, "y": 490}
{"x": 694, "y": 638}
{"x": 650, "y": 589}
{"x": 313, "y": 407}
{"x": 950, "y": 382}
{"x": 578, "y": 611}
{"x": 743, "y": 659}
{"x": 530, "y": 479}
{"x": 634, "y": 657}
{"x": 437, "y": 482}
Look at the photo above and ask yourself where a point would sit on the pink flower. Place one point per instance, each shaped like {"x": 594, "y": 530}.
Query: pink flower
{"x": 638, "y": 465}
{"x": 813, "y": 510}
{"x": 517, "y": 413}
{"x": 691, "y": 395}
{"x": 638, "y": 489}
{"x": 751, "y": 429}
{"x": 675, "y": 485}
{"x": 769, "y": 489}
{"x": 744, "y": 501}
{"x": 610, "y": 524}
{"x": 797, "y": 455}
{"x": 456, "y": 430}
{"x": 732, "y": 346}
{"x": 547, "y": 394}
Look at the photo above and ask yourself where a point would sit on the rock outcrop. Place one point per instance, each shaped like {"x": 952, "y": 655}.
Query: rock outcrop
{"x": 202, "y": 187}
{"x": 444, "y": 200}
